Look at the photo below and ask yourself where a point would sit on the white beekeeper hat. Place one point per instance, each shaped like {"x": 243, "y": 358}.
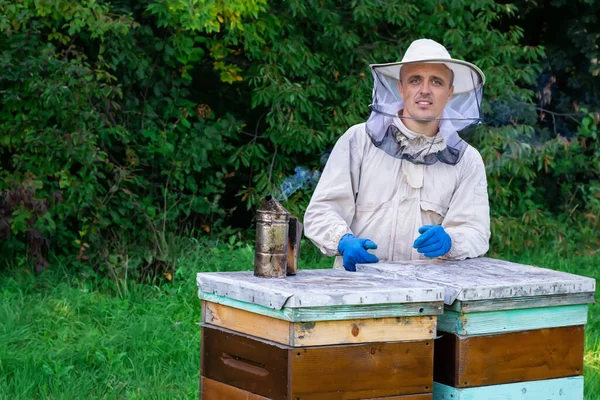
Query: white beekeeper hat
{"x": 467, "y": 76}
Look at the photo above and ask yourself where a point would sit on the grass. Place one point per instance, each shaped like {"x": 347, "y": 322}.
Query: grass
{"x": 60, "y": 340}
{"x": 64, "y": 338}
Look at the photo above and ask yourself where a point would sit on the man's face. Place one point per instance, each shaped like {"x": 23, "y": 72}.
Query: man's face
{"x": 426, "y": 89}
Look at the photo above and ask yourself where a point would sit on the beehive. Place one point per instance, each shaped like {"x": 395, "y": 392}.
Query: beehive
{"x": 508, "y": 330}
{"x": 321, "y": 334}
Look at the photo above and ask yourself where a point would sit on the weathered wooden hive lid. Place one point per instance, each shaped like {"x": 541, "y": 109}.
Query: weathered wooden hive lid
{"x": 485, "y": 278}
{"x": 318, "y": 288}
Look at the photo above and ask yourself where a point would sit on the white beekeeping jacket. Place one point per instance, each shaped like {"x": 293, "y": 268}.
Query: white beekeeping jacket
{"x": 367, "y": 192}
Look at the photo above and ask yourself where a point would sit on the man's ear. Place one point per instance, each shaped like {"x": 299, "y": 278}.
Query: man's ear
{"x": 400, "y": 89}
{"x": 451, "y": 92}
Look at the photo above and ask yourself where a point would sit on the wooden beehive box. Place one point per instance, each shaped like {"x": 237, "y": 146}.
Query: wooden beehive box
{"x": 505, "y": 328}
{"x": 307, "y": 336}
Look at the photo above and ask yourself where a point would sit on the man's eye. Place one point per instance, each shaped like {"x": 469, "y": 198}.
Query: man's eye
{"x": 414, "y": 80}
{"x": 437, "y": 82}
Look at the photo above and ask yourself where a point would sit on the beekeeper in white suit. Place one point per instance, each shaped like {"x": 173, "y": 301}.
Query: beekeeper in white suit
{"x": 404, "y": 184}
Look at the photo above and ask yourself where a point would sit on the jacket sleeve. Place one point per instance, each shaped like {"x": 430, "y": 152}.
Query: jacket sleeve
{"x": 468, "y": 218}
{"x": 331, "y": 208}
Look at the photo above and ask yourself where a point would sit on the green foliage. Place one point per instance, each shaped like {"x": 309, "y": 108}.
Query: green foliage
{"x": 128, "y": 121}
{"x": 49, "y": 125}
{"x": 546, "y": 164}
{"x": 310, "y": 76}
{"x": 98, "y": 113}
{"x": 541, "y": 184}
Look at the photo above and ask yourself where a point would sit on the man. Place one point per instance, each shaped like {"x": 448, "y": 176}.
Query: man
{"x": 404, "y": 184}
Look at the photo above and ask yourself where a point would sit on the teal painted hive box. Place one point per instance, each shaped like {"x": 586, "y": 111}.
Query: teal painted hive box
{"x": 509, "y": 331}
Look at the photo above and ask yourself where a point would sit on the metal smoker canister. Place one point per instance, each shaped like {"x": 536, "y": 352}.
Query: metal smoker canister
{"x": 271, "y": 246}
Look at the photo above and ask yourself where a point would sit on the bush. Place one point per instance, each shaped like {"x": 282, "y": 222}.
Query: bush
{"x": 127, "y": 122}
{"x": 99, "y": 114}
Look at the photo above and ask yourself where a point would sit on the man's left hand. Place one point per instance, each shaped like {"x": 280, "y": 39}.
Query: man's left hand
{"x": 433, "y": 242}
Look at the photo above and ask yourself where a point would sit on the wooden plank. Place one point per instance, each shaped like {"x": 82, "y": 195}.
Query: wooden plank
{"x": 325, "y": 372}
{"x": 282, "y": 314}
{"x": 251, "y": 365}
{"x": 366, "y": 311}
{"x": 522, "y": 302}
{"x": 363, "y": 331}
{"x": 484, "y": 278}
{"x": 361, "y": 371}
{"x": 480, "y": 323}
{"x": 249, "y": 323}
{"x": 337, "y": 313}
{"x": 468, "y": 361}
{"x": 213, "y": 390}
{"x": 552, "y": 389}
{"x": 317, "y": 288}
{"x": 320, "y": 333}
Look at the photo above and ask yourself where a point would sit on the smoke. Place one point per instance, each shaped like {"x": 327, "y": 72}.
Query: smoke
{"x": 303, "y": 178}
{"x": 325, "y": 156}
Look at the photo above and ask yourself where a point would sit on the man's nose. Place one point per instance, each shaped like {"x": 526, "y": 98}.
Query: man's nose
{"x": 425, "y": 87}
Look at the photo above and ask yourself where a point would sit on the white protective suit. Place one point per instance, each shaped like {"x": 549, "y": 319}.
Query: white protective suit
{"x": 367, "y": 192}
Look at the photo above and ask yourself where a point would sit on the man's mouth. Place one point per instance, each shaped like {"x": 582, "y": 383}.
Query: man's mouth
{"x": 424, "y": 104}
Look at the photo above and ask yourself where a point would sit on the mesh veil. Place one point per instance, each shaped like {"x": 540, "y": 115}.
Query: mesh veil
{"x": 462, "y": 111}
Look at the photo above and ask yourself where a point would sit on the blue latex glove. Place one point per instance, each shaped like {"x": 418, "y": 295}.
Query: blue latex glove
{"x": 433, "y": 242}
{"x": 354, "y": 251}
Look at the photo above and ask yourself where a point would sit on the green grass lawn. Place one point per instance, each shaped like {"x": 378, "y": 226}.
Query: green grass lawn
{"x": 63, "y": 338}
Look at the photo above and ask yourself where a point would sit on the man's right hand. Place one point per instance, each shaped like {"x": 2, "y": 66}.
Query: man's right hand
{"x": 354, "y": 251}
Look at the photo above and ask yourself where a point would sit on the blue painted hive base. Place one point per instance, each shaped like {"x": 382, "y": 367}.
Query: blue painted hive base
{"x": 551, "y": 389}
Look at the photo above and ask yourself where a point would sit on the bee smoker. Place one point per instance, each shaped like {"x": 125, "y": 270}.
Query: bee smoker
{"x": 277, "y": 240}
{"x": 271, "y": 246}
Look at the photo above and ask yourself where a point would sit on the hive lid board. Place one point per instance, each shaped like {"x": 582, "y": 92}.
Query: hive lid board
{"x": 484, "y": 278}
{"x": 318, "y": 288}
